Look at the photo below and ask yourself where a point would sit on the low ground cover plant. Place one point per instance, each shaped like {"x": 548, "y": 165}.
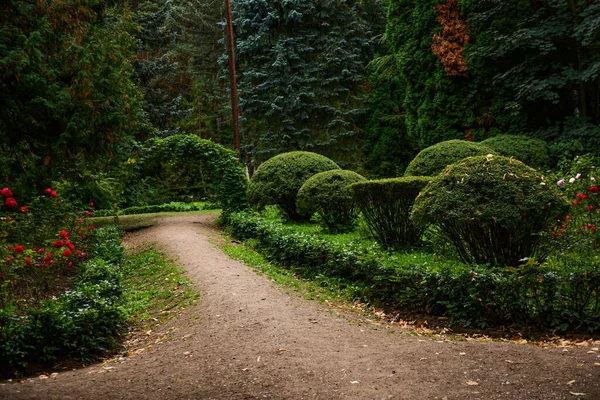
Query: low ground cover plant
{"x": 168, "y": 207}
{"x": 546, "y": 296}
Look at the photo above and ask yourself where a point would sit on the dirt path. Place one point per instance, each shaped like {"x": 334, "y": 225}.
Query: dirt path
{"x": 247, "y": 339}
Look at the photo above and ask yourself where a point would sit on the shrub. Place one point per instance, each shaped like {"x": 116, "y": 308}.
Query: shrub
{"x": 386, "y": 205}
{"x": 491, "y": 209}
{"x": 533, "y": 152}
{"x": 278, "y": 180}
{"x": 432, "y": 160}
{"x": 327, "y": 193}
{"x": 546, "y": 296}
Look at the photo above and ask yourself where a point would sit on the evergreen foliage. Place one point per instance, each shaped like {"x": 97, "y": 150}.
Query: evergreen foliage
{"x": 67, "y": 100}
{"x": 432, "y": 160}
{"x": 327, "y": 193}
{"x": 302, "y": 67}
{"x": 491, "y": 208}
{"x": 533, "y": 152}
{"x": 278, "y": 180}
{"x": 386, "y": 205}
{"x": 187, "y": 163}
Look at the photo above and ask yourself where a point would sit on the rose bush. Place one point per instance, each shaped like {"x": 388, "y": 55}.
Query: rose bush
{"x": 41, "y": 244}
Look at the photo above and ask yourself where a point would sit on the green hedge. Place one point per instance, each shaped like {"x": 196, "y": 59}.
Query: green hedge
{"x": 544, "y": 297}
{"x": 327, "y": 193}
{"x": 432, "y": 160}
{"x": 169, "y": 207}
{"x": 491, "y": 208}
{"x": 533, "y": 152}
{"x": 277, "y": 180}
{"x": 85, "y": 320}
{"x": 386, "y": 205}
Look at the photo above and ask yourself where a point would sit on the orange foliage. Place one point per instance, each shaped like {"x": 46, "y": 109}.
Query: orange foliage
{"x": 450, "y": 44}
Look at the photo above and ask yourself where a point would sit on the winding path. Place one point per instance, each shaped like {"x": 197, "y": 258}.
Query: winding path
{"x": 248, "y": 339}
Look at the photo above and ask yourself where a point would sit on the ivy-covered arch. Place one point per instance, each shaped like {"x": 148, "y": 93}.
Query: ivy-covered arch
{"x": 217, "y": 167}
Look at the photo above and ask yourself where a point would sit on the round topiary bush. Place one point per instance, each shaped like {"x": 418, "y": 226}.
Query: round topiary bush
{"x": 490, "y": 208}
{"x": 386, "y": 205}
{"x": 277, "y": 180}
{"x": 533, "y": 152}
{"x": 328, "y": 194}
{"x": 432, "y": 160}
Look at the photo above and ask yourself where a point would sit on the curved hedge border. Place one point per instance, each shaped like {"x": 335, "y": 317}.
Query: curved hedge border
{"x": 84, "y": 321}
{"x": 544, "y": 297}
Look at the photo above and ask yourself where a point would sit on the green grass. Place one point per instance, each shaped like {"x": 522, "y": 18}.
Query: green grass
{"x": 155, "y": 288}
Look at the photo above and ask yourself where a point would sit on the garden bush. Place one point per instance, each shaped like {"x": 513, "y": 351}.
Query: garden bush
{"x": 169, "y": 207}
{"x": 278, "y": 180}
{"x": 533, "y": 152}
{"x": 492, "y": 209}
{"x": 186, "y": 164}
{"x": 543, "y": 296}
{"x": 386, "y": 205}
{"x": 432, "y": 160}
{"x": 85, "y": 320}
{"x": 328, "y": 194}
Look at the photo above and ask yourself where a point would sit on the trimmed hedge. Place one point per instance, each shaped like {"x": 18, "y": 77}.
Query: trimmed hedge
{"x": 540, "y": 296}
{"x": 491, "y": 209}
{"x": 386, "y": 205}
{"x": 327, "y": 193}
{"x": 432, "y": 160}
{"x": 533, "y": 152}
{"x": 278, "y": 180}
{"x": 169, "y": 207}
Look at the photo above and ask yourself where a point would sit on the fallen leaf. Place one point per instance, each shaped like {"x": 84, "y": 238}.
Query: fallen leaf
{"x": 577, "y": 394}
{"x": 571, "y": 382}
{"x": 462, "y": 354}
{"x": 353, "y": 382}
{"x": 580, "y": 365}
{"x": 596, "y": 364}
{"x": 43, "y": 376}
{"x": 471, "y": 383}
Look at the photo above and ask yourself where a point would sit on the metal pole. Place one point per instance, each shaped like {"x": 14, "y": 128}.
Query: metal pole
{"x": 235, "y": 112}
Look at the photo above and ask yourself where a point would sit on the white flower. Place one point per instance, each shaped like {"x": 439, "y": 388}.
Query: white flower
{"x": 572, "y": 180}
{"x": 561, "y": 182}
{"x": 577, "y": 176}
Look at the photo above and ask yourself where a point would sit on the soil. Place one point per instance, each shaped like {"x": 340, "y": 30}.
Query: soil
{"x": 249, "y": 339}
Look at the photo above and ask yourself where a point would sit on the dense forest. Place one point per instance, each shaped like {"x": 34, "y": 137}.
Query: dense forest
{"x": 89, "y": 86}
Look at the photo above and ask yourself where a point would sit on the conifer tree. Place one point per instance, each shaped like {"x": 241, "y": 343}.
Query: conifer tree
{"x": 302, "y": 67}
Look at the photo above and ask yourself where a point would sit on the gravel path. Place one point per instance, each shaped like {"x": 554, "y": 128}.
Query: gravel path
{"x": 248, "y": 339}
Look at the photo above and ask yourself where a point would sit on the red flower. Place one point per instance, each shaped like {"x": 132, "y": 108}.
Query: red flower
{"x": 594, "y": 189}
{"x": 70, "y": 264}
{"x": 67, "y": 253}
{"x": 10, "y": 202}
{"x": 590, "y": 207}
{"x": 64, "y": 234}
{"x": 91, "y": 227}
{"x": 58, "y": 244}
{"x": 6, "y": 192}
{"x": 42, "y": 250}
{"x": 575, "y": 203}
{"x": 53, "y": 194}
{"x": 580, "y": 196}
{"x": 48, "y": 191}
{"x": 91, "y": 204}
{"x": 569, "y": 218}
{"x": 24, "y": 209}
{"x": 79, "y": 253}
{"x": 18, "y": 248}
{"x": 70, "y": 245}
{"x": 28, "y": 260}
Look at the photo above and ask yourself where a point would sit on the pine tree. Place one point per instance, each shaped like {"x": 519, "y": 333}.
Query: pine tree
{"x": 302, "y": 75}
